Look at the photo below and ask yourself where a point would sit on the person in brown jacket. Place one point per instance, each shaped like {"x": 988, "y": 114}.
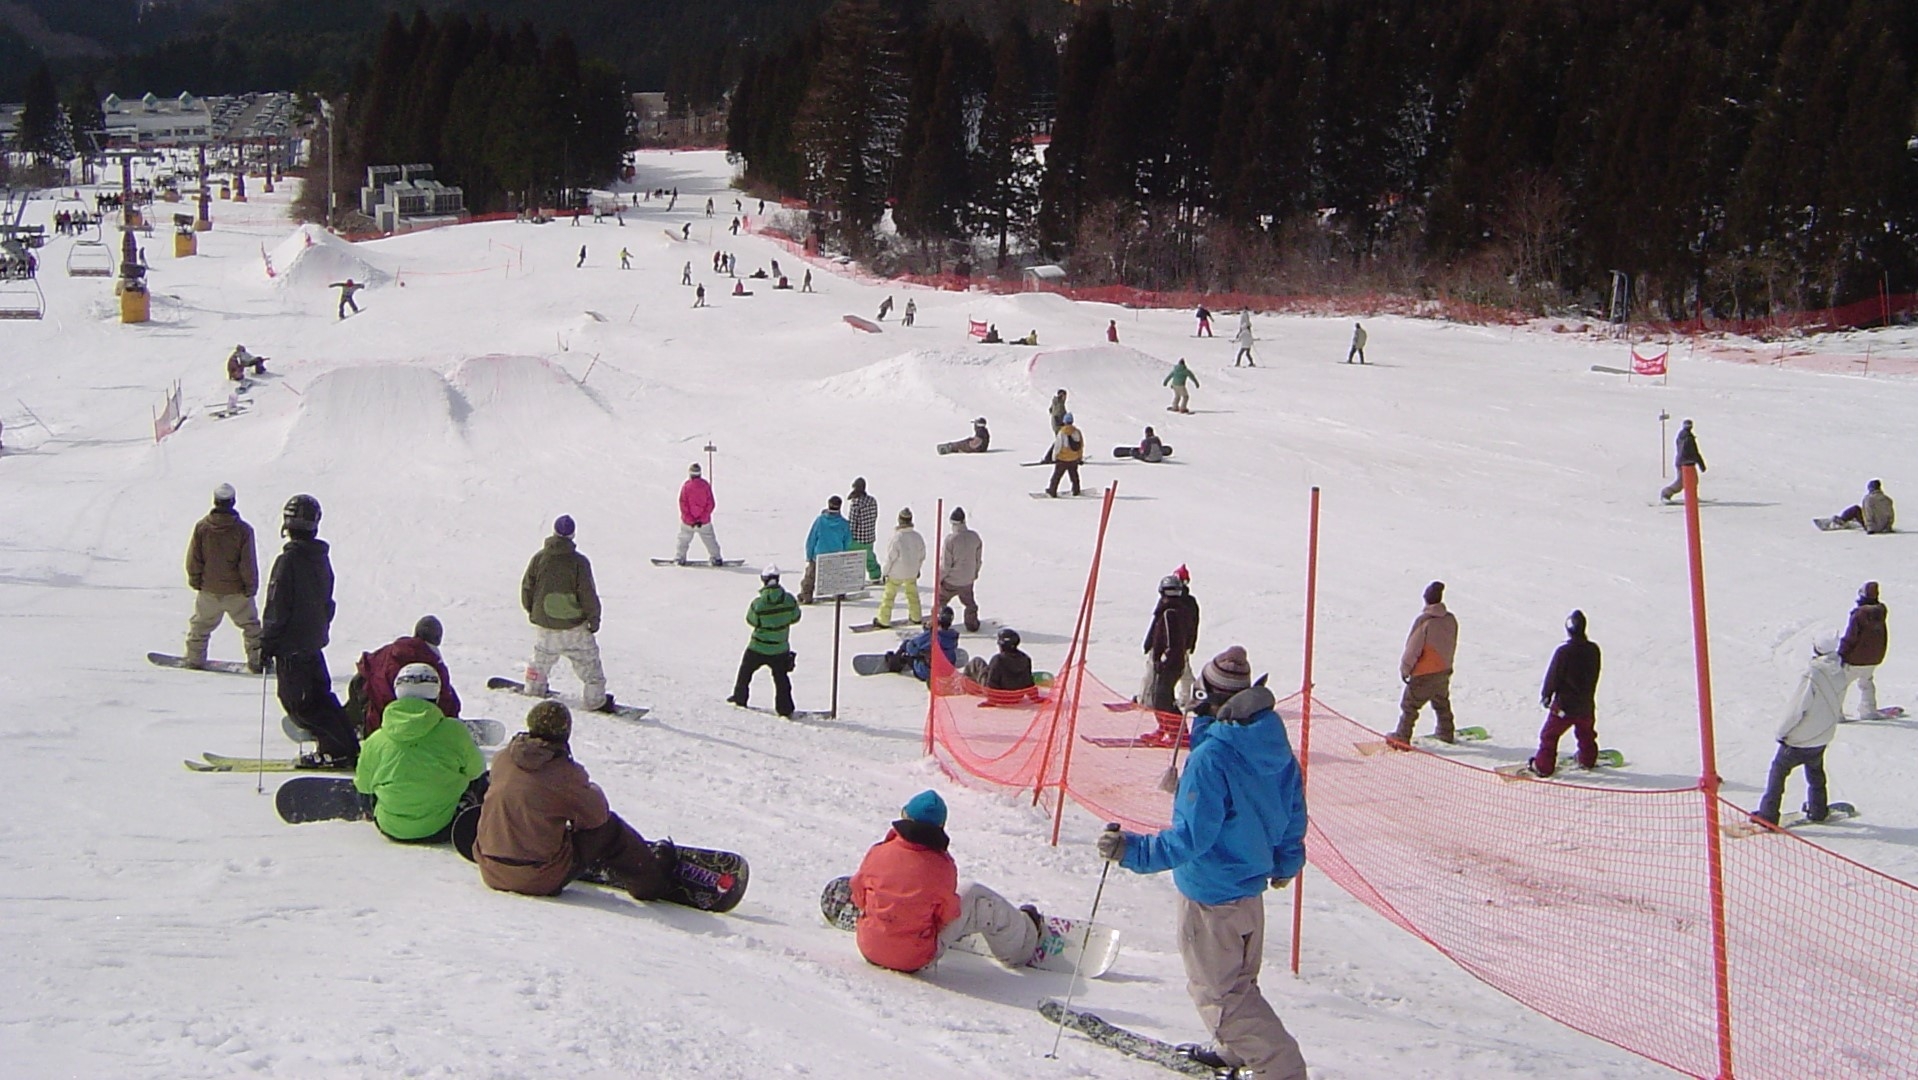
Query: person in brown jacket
{"x": 1426, "y": 668}
{"x": 544, "y": 822}
{"x": 224, "y": 574}
{"x": 1863, "y": 648}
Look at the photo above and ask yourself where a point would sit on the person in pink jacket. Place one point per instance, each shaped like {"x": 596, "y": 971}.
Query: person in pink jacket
{"x": 911, "y": 905}
{"x": 696, "y": 516}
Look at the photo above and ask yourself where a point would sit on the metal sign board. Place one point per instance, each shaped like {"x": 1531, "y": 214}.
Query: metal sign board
{"x": 840, "y": 573}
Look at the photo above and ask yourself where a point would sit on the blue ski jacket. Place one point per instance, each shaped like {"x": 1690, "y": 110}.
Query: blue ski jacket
{"x": 918, "y": 649}
{"x": 830, "y": 532}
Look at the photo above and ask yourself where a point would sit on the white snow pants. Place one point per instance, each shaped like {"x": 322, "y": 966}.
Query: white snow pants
{"x": 1222, "y": 946}
{"x": 706, "y": 536}
{"x": 577, "y": 645}
{"x": 1867, "y": 689}
{"x": 1010, "y": 935}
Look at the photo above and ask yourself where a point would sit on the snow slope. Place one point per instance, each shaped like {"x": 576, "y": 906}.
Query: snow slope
{"x": 165, "y": 924}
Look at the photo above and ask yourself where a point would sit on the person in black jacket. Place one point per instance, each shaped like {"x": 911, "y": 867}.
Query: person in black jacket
{"x": 1571, "y": 684}
{"x": 294, "y": 630}
{"x": 1687, "y": 454}
{"x": 1168, "y": 642}
{"x": 1011, "y": 668}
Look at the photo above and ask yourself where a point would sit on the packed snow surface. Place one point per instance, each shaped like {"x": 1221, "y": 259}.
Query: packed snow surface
{"x": 165, "y": 924}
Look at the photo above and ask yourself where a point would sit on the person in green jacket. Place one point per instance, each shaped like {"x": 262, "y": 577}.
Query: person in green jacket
{"x": 421, "y": 767}
{"x": 772, "y": 614}
{"x": 1176, "y": 380}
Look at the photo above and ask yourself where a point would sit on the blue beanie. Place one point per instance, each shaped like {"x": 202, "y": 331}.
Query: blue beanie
{"x": 927, "y": 808}
{"x": 563, "y": 525}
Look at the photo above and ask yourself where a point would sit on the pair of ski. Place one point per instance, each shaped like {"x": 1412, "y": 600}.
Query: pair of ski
{"x": 486, "y": 732}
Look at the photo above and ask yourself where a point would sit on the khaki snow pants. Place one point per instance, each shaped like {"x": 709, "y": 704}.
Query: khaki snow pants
{"x": 208, "y": 608}
{"x": 577, "y": 645}
{"x": 1222, "y": 946}
{"x": 706, "y": 536}
{"x": 1010, "y": 935}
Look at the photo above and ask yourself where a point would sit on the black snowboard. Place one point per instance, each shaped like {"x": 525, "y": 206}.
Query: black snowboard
{"x": 226, "y": 667}
{"x": 628, "y": 712}
{"x": 320, "y": 798}
{"x": 704, "y": 878}
{"x": 707, "y": 563}
{"x": 1126, "y": 451}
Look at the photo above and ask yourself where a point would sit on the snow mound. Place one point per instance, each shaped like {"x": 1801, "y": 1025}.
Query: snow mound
{"x": 311, "y": 256}
{"x": 1095, "y": 365}
{"x": 951, "y": 376}
{"x": 386, "y": 415}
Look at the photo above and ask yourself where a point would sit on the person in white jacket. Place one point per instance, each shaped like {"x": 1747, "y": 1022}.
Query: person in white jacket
{"x": 905, "y": 554}
{"x": 1816, "y": 709}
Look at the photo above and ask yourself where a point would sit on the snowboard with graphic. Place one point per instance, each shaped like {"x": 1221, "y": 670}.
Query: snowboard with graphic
{"x": 1129, "y": 1043}
{"x": 703, "y": 878}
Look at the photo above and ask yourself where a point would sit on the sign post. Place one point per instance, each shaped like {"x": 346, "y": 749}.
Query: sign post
{"x": 836, "y": 574}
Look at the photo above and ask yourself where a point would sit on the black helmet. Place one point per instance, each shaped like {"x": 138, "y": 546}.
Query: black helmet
{"x": 301, "y": 515}
{"x": 945, "y": 618}
{"x": 1008, "y": 638}
{"x": 1170, "y": 585}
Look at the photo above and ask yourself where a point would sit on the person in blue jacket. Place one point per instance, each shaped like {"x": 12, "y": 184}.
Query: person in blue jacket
{"x": 915, "y": 653}
{"x": 1238, "y": 825}
{"x": 830, "y": 532}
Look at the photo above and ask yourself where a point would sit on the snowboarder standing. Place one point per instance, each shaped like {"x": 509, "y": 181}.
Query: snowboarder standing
{"x": 862, "y": 510}
{"x": 1238, "y": 826}
{"x": 911, "y": 908}
{"x": 829, "y": 533}
{"x": 348, "y": 289}
{"x": 1874, "y": 512}
{"x": 545, "y": 823}
{"x": 1808, "y": 727}
{"x": 696, "y": 505}
{"x": 1205, "y": 322}
{"x": 372, "y": 688}
{"x": 582, "y": 249}
{"x": 625, "y": 259}
{"x": 1358, "y": 344}
{"x": 224, "y": 574}
{"x": 1191, "y": 605}
{"x": 1426, "y": 668}
{"x": 699, "y": 296}
{"x": 1112, "y": 331}
{"x": 771, "y": 615}
{"x": 1177, "y": 380}
{"x": 1056, "y": 412}
{"x": 1569, "y": 693}
{"x": 421, "y": 768}
{"x": 1863, "y": 648}
{"x": 905, "y": 555}
{"x": 1687, "y": 454}
{"x": 885, "y": 308}
{"x": 1068, "y": 449}
{"x": 686, "y": 274}
{"x": 299, "y": 613}
{"x": 805, "y": 283}
{"x": 912, "y": 312}
{"x": 960, "y": 560}
{"x": 559, "y": 598}
{"x": 1244, "y": 340}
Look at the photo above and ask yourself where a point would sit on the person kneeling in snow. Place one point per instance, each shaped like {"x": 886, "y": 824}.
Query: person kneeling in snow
{"x": 545, "y": 823}
{"x": 915, "y": 653}
{"x": 912, "y": 908}
{"x": 421, "y": 767}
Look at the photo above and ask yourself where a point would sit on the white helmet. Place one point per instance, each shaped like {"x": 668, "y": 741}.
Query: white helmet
{"x": 418, "y": 681}
{"x": 770, "y": 573}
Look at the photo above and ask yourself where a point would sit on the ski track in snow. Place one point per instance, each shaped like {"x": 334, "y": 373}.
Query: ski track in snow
{"x": 163, "y": 924}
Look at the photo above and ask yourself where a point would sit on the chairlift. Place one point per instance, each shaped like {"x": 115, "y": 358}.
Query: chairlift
{"x": 20, "y": 296}
{"x": 89, "y": 258}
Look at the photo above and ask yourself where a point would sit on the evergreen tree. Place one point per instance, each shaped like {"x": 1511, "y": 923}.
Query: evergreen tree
{"x": 1005, "y": 168}
{"x": 44, "y": 131}
{"x": 85, "y": 119}
{"x": 849, "y": 123}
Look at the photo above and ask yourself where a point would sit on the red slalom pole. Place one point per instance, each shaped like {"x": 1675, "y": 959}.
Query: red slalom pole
{"x": 1708, "y": 775}
{"x": 1305, "y": 715}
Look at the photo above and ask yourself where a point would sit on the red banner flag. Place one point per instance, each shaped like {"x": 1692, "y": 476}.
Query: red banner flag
{"x": 1649, "y": 365}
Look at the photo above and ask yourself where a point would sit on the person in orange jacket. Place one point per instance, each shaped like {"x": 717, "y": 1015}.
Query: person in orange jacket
{"x": 912, "y": 907}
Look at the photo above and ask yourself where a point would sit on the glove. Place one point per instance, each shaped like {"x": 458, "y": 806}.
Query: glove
{"x": 593, "y": 627}
{"x": 1111, "y": 845}
{"x": 1280, "y": 883}
{"x": 1545, "y": 701}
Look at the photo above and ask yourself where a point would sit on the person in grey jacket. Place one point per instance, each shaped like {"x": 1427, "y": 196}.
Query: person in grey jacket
{"x": 1807, "y": 729}
{"x": 1874, "y": 512}
{"x": 959, "y": 561}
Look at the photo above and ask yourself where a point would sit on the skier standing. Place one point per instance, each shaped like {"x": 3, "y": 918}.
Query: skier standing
{"x": 829, "y": 533}
{"x": 1068, "y": 449}
{"x": 348, "y": 289}
{"x": 905, "y": 554}
{"x": 224, "y": 574}
{"x": 294, "y": 633}
{"x": 1571, "y": 685}
{"x": 1863, "y": 648}
{"x": 1238, "y": 825}
{"x": 862, "y": 510}
{"x": 960, "y": 560}
{"x": 1358, "y": 344}
{"x": 771, "y": 615}
{"x": 696, "y": 505}
{"x": 1874, "y": 512}
{"x": 1426, "y": 668}
{"x": 911, "y": 907}
{"x": 1687, "y": 454}
{"x": 1810, "y": 722}
{"x": 371, "y": 690}
{"x": 1191, "y": 605}
{"x": 544, "y": 821}
{"x": 1177, "y": 380}
{"x": 1244, "y": 340}
{"x": 1169, "y": 639}
{"x": 559, "y": 598}
{"x": 421, "y": 768}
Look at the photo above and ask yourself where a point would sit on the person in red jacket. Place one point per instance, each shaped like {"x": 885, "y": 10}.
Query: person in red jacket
{"x": 911, "y": 906}
{"x": 371, "y": 690}
{"x": 696, "y": 516}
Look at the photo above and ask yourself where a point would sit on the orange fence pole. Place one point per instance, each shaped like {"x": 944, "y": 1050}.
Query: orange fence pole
{"x": 1079, "y": 673}
{"x": 1708, "y": 774}
{"x": 1305, "y": 716}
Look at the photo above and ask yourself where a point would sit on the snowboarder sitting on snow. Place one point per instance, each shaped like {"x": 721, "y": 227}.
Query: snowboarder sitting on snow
{"x": 1686, "y": 454}
{"x": 1007, "y": 678}
{"x": 912, "y": 908}
{"x": 915, "y": 653}
{"x": 771, "y": 615}
{"x": 981, "y": 439}
{"x": 1149, "y": 448}
{"x": 371, "y": 690}
{"x": 992, "y": 336}
{"x": 1031, "y": 338}
{"x": 1571, "y": 684}
{"x": 784, "y": 283}
{"x": 544, "y": 822}
{"x": 1809, "y": 724}
{"x": 421, "y": 767}
{"x": 239, "y": 360}
{"x": 1873, "y": 512}
{"x": 830, "y": 532}
{"x": 347, "y": 290}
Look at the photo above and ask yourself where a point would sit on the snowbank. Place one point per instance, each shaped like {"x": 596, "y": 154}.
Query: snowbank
{"x": 311, "y": 256}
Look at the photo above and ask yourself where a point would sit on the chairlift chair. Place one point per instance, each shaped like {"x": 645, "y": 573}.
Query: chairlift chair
{"x": 89, "y": 258}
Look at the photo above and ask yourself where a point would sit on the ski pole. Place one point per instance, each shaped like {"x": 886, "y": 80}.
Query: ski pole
{"x": 259, "y": 782}
{"x": 1111, "y": 827}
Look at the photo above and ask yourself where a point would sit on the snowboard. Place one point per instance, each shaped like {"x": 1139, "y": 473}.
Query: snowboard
{"x": 485, "y": 731}
{"x": 1129, "y": 1043}
{"x": 707, "y": 563}
{"x": 875, "y": 664}
{"x": 625, "y": 712}
{"x": 1126, "y": 451}
{"x": 798, "y": 714}
{"x": 1889, "y": 712}
{"x": 703, "y": 878}
{"x": 228, "y": 667}
{"x": 906, "y": 629}
{"x": 1826, "y": 524}
{"x": 1060, "y": 946}
{"x": 1427, "y": 742}
{"x": 224, "y": 763}
{"x": 1835, "y": 812}
{"x": 1064, "y": 495}
{"x": 1607, "y": 759}
{"x": 957, "y": 447}
{"x": 320, "y": 798}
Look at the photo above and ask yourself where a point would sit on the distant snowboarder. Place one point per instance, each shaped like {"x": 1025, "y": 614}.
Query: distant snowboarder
{"x": 1068, "y": 449}
{"x": 625, "y": 259}
{"x": 830, "y": 532}
{"x": 905, "y": 556}
{"x": 1867, "y": 639}
{"x": 1874, "y": 512}
{"x": 224, "y": 574}
{"x": 805, "y": 283}
{"x": 1112, "y": 331}
{"x": 1055, "y": 412}
{"x": 980, "y": 441}
{"x": 348, "y": 289}
{"x": 685, "y": 229}
{"x": 239, "y": 362}
{"x": 709, "y": 208}
{"x": 1808, "y": 727}
{"x": 735, "y": 227}
{"x": 696, "y": 505}
{"x": 885, "y": 308}
{"x": 1244, "y": 340}
{"x": 1426, "y": 668}
{"x": 560, "y": 600}
{"x": 862, "y": 512}
{"x": 1177, "y": 380}
{"x": 1687, "y": 454}
{"x": 960, "y": 559}
{"x": 294, "y": 635}
{"x": 771, "y": 615}
{"x": 686, "y": 275}
{"x": 699, "y": 296}
{"x": 1205, "y": 322}
{"x": 912, "y": 312}
{"x": 1358, "y": 344}
{"x": 1569, "y": 696}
